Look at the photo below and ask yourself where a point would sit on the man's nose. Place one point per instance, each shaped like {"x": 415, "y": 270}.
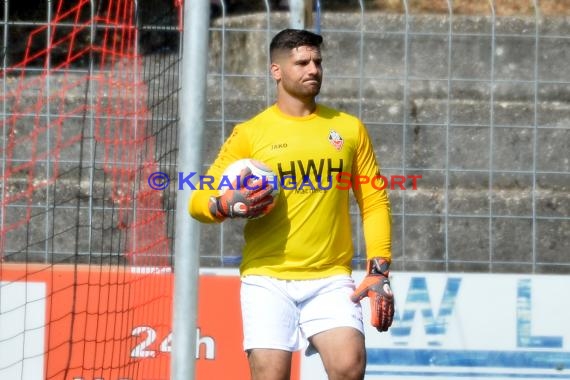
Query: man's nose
{"x": 313, "y": 68}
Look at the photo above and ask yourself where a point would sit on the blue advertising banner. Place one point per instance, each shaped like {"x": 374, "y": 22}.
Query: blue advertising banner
{"x": 470, "y": 326}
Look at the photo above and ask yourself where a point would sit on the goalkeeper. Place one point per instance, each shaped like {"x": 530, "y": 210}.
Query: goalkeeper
{"x": 296, "y": 283}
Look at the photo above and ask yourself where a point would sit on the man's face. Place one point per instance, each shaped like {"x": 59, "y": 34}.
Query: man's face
{"x": 300, "y": 72}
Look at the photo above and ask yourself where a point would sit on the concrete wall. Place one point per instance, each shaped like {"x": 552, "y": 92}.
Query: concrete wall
{"x": 485, "y": 121}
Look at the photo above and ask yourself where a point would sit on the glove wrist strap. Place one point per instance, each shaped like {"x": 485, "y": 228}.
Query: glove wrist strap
{"x": 379, "y": 265}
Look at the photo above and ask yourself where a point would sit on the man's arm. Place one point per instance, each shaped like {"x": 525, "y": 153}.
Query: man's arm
{"x": 374, "y": 206}
{"x": 235, "y": 147}
{"x": 374, "y": 203}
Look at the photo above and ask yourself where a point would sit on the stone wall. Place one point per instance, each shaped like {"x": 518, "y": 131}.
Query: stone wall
{"x": 489, "y": 133}
{"x": 484, "y": 120}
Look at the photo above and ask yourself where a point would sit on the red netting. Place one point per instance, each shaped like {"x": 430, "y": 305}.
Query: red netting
{"x": 85, "y": 243}
{"x": 77, "y": 96}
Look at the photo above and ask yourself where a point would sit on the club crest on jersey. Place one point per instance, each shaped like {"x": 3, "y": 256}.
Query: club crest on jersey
{"x": 336, "y": 140}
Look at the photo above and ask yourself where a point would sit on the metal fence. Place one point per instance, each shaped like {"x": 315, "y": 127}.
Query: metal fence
{"x": 88, "y": 107}
{"x": 477, "y": 105}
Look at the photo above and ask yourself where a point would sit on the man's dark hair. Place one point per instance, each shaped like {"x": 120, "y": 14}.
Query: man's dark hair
{"x": 288, "y": 39}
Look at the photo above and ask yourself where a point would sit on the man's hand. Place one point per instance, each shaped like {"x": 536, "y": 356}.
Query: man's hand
{"x": 247, "y": 199}
{"x": 376, "y": 286}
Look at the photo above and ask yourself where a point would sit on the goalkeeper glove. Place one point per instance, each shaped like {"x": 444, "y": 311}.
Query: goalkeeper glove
{"x": 376, "y": 286}
{"x": 249, "y": 199}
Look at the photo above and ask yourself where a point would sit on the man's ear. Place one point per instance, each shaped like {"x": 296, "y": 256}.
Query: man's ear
{"x": 275, "y": 71}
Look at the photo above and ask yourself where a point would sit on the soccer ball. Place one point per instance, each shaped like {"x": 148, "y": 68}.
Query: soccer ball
{"x": 258, "y": 169}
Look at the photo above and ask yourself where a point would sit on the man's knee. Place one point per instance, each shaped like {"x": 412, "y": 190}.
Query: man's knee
{"x": 351, "y": 367}
{"x": 266, "y": 364}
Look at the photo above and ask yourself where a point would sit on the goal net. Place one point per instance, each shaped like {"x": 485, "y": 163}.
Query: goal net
{"x": 85, "y": 242}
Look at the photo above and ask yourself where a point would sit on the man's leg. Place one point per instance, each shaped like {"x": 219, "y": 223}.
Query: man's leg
{"x": 270, "y": 326}
{"x": 342, "y": 351}
{"x": 335, "y": 329}
{"x": 269, "y": 364}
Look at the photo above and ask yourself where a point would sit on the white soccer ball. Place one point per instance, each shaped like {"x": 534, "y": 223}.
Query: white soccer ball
{"x": 259, "y": 170}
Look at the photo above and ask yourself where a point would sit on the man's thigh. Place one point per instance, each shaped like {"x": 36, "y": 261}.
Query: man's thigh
{"x": 342, "y": 351}
{"x": 330, "y": 307}
{"x": 333, "y": 325}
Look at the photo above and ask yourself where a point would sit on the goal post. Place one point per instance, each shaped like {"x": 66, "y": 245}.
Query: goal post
{"x": 192, "y": 103}
{"x": 88, "y": 94}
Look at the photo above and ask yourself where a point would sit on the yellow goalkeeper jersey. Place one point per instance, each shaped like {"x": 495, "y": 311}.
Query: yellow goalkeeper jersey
{"x": 320, "y": 159}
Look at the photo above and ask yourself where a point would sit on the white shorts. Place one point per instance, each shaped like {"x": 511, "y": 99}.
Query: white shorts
{"x": 282, "y": 314}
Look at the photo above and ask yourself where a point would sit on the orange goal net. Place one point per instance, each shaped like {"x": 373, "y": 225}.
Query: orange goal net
{"x": 88, "y": 112}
